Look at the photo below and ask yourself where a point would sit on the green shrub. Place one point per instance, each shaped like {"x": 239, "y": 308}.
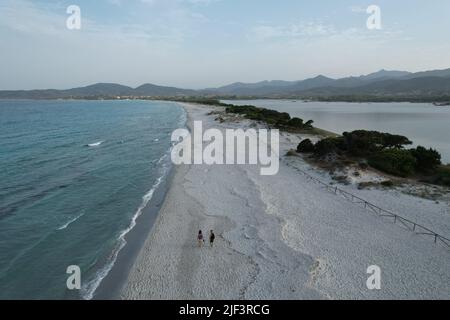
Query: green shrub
{"x": 363, "y": 165}
{"x": 241, "y": 109}
{"x": 364, "y": 143}
{"x": 291, "y": 153}
{"x": 361, "y": 142}
{"x": 427, "y": 160}
{"x": 305, "y": 146}
{"x": 309, "y": 124}
{"x": 395, "y": 141}
{"x": 366, "y": 185}
{"x": 342, "y": 179}
{"x": 387, "y": 183}
{"x": 275, "y": 115}
{"x": 296, "y": 123}
{"x": 394, "y": 161}
{"x": 260, "y": 114}
{"x": 325, "y": 146}
{"x": 443, "y": 176}
{"x": 272, "y": 117}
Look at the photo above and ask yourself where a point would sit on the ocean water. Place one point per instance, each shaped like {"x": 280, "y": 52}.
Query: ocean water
{"x": 74, "y": 177}
{"x": 423, "y": 123}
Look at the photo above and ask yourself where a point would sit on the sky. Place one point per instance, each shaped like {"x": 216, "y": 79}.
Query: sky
{"x": 209, "y": 43}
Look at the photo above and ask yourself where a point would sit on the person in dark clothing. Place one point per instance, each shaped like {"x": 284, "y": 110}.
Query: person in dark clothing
{"x": 200, "y": 239}
{"x": 212, "y": 237}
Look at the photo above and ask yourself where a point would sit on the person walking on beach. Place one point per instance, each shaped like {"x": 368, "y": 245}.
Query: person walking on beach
{"x": 200, "y": 239}
{"x": 212, "y": 237}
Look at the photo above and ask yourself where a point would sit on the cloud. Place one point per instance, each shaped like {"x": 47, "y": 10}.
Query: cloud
{"x": 115, "y": 2}
{"x": 24, "y": 17}
{"x": 319, "y": 31}
{"x": 185, "y": 1}
{"x": 155, "y": 48}
{"x": 172, "y": 25}
{"x": 299, "y": 30}
{"x": 180, "y": 2}
{"x": 176, "y": 42}
{"x": 358, "y": 9}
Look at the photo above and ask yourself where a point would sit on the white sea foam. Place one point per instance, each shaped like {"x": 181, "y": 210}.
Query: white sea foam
{"x": 88, "y": 289}
{"x": 95, "y": 144}
{"x": 64, "y": 226}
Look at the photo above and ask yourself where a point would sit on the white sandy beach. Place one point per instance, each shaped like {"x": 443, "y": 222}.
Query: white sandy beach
{"x": 284, "y": 237}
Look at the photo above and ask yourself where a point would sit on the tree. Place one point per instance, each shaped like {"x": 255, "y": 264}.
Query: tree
{"x": 364, "y": 143}
{"x": 427, "y": 160}
{"x": 305, "y": 146}
{"x": 325, "y": 146}
{"x": 394, "y": 161}
{"x": 309, "y": 124}
{"x": 395, "y": 141}
{"x": 296, "y": 123}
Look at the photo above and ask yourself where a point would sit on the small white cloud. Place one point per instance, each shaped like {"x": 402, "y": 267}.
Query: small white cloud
{"x": 358, "y": 9}
{"x": 299, "y": 30}
{"x": 115, "y": 2}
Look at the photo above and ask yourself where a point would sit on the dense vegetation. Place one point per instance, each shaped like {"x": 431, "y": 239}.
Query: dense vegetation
{"x": 398, "y": 162}
{"x": 305, "y": 146}
{"x": 442, "y": 176}
{"x": 383, "y": 151}
{"x": 199, "y": 100}
{"x": 281, "y": 120}
{"x": 271, "y": 117}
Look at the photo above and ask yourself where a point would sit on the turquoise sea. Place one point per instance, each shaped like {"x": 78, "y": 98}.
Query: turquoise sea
{"x": 74, "y": 177}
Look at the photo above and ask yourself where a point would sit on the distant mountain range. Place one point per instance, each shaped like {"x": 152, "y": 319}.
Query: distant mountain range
{"x": 105, "y": 90}
{"x": 383, "y": 83}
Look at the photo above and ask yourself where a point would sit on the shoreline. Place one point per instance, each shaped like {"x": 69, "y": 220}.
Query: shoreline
{"x": 112, "y": 284}
{"x": 432, "y": 102}
{"x": 273, "y": 243}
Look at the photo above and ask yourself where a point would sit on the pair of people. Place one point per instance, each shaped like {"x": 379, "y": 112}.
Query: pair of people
{"x": 201, "y": 239}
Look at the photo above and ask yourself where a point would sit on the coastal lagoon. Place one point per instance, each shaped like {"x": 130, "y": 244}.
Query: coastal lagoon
{"x": 75, "y": 175}
{"x": 423, "y": 123}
